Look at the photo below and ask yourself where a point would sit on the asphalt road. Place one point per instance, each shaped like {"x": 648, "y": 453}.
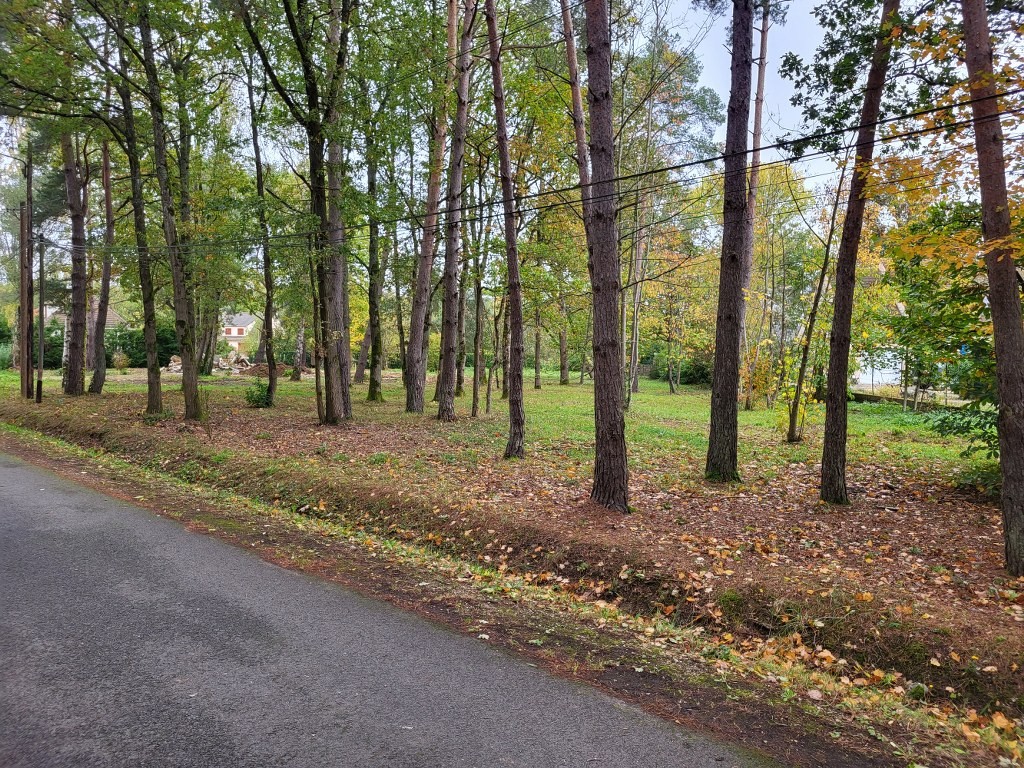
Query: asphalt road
{"x": 126, "y": 640}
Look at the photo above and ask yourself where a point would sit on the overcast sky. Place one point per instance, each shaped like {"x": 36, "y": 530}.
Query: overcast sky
{"x": 800, "y": 34}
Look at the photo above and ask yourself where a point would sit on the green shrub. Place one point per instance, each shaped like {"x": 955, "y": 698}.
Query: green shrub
{"x": 975, "y": 422}
{"x": 6, "y": 356}
{"x": 132, "y": 342}
{"x": 257, "y": 394}
{"x": 982, "y": 475}
{"x": 693, "y": 371}
{"x": 120, "y": 361}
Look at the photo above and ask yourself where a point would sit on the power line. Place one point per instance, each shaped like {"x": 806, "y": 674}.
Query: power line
{"x": 256, "y": 240}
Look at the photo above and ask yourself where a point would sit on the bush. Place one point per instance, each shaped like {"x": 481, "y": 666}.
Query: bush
{"x": 695, "y": 372}
{"x": 692, "y": 371}
{"x": 257, "y": 394}
{"x": 120, "y": 361}
{"x": 976, "y": 422}
{"x": 54, "y": 345}
{"x": 6, "y": 334}
{"x": 132, "y": 342}
{"x": 6, "y": 356}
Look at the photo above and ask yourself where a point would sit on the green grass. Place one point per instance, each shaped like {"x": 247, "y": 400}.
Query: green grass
{"x": 663, "y": 430}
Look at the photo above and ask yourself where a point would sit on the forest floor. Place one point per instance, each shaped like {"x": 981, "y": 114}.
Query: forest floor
{"x": 892, "y": 615}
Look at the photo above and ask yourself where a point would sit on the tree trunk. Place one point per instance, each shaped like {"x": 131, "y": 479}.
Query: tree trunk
{"x": 514, "y": 372}
{"x": 327, "y": 281}
{"x": 181, "y": 273}
{"x": 416, "y": 362}
{"x": 833, "y": 455}
{"x": 505, "y": 351}
{"x": 336, "y": 295}
{"x": 447, "y": 374}
{"x": 639, "y": 276}
{"x": 578, "y": 118}
{"x": 336, "y": 272}
{"x": 99, "y": 347}
{"x": 74, "y": 375}
{"x": 478, "y": 330}
{"x": 586, "y": 342}
{"x": 318, "y": 344}
{"x": 754, "y": 179}
{"x": 611, "y": 471}
{"x": 363, "y": 357}
{"x": 25, "y": 314}
{"x": 733, "y": 280}
{"x": 497, "y": 320}
{"x": 1000, "y": 265}
{"x": 399, "y": 320}
{"x": 299, "y": 361}
{"x": 154, "y": 394}
{"x": 563, "y": 344}
{"x": 375, "y": 391}
{"x": 460, "y": 355}
{"x": 25, "y": 306}
{"x": 536, "y": 347}
{"x": 268, "y": 261}
{"x": 755, "y": 155}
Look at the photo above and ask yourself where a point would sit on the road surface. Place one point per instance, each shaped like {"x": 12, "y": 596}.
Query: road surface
{"x": 126, "y": 640}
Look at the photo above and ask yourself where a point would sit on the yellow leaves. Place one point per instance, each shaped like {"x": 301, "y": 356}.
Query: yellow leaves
{"x": 970, "y": 734}
{"x": 934, "y": 662}
{"x": 863, "y": 597}
{"x": 1000, "y": 721}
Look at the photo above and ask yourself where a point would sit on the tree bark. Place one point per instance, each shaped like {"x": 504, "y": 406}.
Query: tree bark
{"x": 416, "y": 362}
{"x": 399, "y": 321}
{"x": 299, "y": 360}
{"x": 611, "y": 471}
{"x": 375, "y": 391}
{"x": 505, "y": 351}
{"x": 460, "y": 355}
{"x": 26, "y": 315}
{"x": 181, "y": 272}
{"x": 754, "y": 179}
{"x": 453, "y": 222}
{"x": 722, "y": 462}
{"x": 363, "y": 357}
{"x": 318, "y": 345}
{"x": 536, "y": 347}
{"x": 1000, "y": 265}
{"x": 99, "y": 347}
{"x": 154, "y": 393}
{"x": 755, "y": 154}
{"x": 478, "y": 331}
{"x": 579, "y": 124}
{"x": 268, "y": 260}
{"x": 833, "y": 455}
{"x": 74, "y": 375}
{"x": 514, "y": 372}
